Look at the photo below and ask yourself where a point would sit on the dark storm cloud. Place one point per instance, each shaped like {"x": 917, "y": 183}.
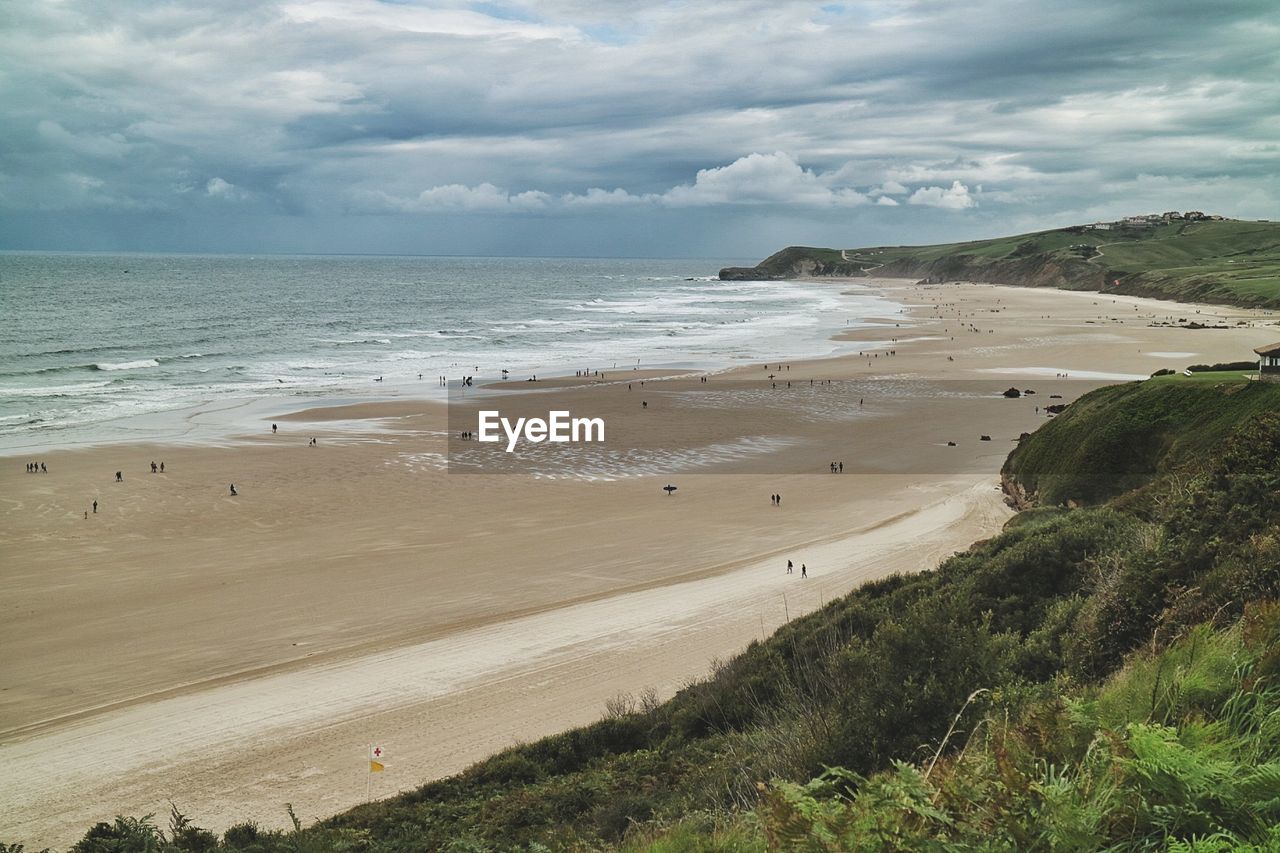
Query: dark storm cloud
{"x": 383, "y": 126}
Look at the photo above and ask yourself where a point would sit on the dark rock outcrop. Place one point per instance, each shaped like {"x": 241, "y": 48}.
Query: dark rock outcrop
{"x": 747, "y": 274}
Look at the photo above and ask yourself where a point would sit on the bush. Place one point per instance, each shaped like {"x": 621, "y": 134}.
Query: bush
{"x": 1222, "y": 366}
{"x": 241, "y": 835}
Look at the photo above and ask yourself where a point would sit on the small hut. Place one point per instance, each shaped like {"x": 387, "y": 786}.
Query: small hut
{"x": 1269, "y": 362}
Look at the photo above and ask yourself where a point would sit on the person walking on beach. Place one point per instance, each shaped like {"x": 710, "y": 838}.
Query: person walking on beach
{"x": 233, "y": 490}
{"x": 273, "y": 429}
{"x": 789, "y": 565}
{"x": 154, "y": 468}
{"x": 119, "y": 476}
{"x": 95, "y": 507}
{"x": 161, "y": 467}
{"x": 804, "y": 572}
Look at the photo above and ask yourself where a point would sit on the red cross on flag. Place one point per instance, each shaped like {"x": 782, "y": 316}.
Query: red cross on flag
{"x": 377, "y": 759}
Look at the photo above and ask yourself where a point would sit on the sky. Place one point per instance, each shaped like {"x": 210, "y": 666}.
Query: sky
{"x": 623, "y": 128}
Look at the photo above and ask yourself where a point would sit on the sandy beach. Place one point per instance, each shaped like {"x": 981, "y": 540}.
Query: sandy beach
{"x": 236, "y": 653}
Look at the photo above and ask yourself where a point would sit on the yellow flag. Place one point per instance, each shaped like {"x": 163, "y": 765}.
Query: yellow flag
{"x": 376, "y": 766}
{"x": 377, "y": 759}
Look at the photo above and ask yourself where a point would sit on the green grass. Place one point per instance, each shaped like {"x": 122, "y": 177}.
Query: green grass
{"x": 1178, "y": 751}
{"x": 1227, "y": 261}
{"x": 1120, "y": 437}
{"x": 1210, "y": 377}
{"x": 806, "y": 260}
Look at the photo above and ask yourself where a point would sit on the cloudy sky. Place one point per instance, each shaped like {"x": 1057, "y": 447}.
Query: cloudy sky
{"x": 692, "y": 128}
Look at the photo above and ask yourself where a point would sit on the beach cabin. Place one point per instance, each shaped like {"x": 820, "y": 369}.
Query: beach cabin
{"x": 1269, "y": 362}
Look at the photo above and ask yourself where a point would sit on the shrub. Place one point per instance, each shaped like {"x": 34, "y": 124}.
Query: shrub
{"x": 241, "y": 835}
{"x": 1223, "y": 366}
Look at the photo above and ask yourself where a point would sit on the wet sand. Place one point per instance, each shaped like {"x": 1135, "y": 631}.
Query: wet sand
{"x": 236, "y": 653}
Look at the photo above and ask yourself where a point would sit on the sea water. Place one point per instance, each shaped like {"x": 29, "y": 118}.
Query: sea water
{"x": 97, "y": 347}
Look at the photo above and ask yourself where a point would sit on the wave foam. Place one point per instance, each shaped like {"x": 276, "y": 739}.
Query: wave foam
{"x": 127, "y": 365}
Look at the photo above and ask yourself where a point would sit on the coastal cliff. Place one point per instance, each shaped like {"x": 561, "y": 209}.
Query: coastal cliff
{"x": 797, "y": 262}
{"x": 1191, "y": 260}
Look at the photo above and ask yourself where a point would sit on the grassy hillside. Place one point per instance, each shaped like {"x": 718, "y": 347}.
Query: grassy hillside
{"x": 1177, "y": 751}
{"x": 1223, "y": 261}
{"x": 987, "y": 703}
{"x": 1118, "y": 437}
{"x": 796, "y": 261}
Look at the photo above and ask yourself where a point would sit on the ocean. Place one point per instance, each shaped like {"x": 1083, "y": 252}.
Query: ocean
{"x": 97, "y": 348}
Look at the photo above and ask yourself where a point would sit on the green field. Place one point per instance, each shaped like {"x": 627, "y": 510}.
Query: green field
{"x": 1212, "y": 377}
{"x": 1220, "y": 261}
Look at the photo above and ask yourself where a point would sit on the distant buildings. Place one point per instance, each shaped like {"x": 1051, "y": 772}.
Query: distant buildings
{"x": 1150, "y": 220}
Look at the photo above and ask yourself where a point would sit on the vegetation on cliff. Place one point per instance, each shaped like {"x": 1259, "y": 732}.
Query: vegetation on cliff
{"x": 796, "y": 262}
{"x": 1101, "y": 674}
{"x": 1223, "y": 261}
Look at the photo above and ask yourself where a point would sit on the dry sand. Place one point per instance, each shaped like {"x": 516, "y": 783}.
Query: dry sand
{"x": 236, "y": 653}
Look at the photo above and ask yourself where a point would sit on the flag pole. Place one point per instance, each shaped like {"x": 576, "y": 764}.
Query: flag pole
{"x": 368, "y": 778}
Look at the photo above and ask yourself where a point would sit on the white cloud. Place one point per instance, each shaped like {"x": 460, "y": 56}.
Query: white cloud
{"x": 596, "y": 197}
{"x": 885, "y": 201}
{"x": 762, "y": 179}
{"x": 218, "y": 188}
{"x": 890, "y": 188}
{"x": 985, "y": 169}
{"x": 775, "y": 179}
{"x": 955, "y": 198}
{"x": 483, "y": 198}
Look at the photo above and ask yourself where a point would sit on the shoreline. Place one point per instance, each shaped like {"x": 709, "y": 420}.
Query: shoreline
{"x": 346, "y": 556}
{"x": 219, "y": 418}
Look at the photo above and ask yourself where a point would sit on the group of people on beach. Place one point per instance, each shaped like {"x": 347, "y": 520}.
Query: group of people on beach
{"x": 837, "y": 467}
{"x": 156, "y": 468}
{"x": 37, "y": 468}
{"x": 776, "y": 500}
{"x": 804, "y": 570}
{"x": 275, "y": 430}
